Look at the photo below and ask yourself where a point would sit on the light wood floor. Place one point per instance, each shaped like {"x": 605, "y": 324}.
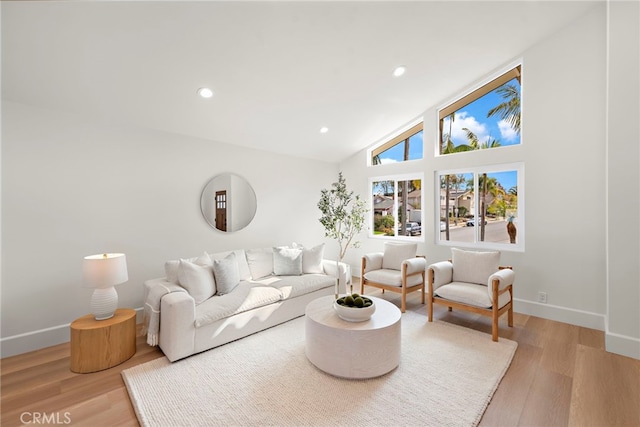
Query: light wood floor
{"x": 560, "y": 376}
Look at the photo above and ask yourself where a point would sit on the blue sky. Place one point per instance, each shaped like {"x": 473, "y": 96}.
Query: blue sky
{"x": 396, "y": 153}
{"x": 507, "y": 179}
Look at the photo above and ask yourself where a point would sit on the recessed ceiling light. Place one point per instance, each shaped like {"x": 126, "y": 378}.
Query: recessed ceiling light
{"x": 398, "y": 71}
{"x": 205, "y": 92}
{"x": 324, "y": 129}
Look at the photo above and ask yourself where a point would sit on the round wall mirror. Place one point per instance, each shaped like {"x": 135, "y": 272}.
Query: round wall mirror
{"x": 228, "y": 202}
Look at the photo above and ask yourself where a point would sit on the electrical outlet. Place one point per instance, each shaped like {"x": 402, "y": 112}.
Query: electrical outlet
{"x": 542, "y": 297}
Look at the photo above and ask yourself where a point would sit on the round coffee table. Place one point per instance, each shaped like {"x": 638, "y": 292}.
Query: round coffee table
{"x": 353, "y": 349}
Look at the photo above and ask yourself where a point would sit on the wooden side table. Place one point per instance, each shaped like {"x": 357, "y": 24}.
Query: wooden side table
{"x": 102, "y": 344}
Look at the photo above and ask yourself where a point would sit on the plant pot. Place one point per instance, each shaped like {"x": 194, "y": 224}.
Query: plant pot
{"x": 354, "y": 314}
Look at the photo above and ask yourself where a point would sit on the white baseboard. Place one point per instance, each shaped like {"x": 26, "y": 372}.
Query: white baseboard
{"x": 34, "y": 340}
{"x": 561, "y": 314}
{"x": 42, "y": 338}
{"x": 622, "y": 345}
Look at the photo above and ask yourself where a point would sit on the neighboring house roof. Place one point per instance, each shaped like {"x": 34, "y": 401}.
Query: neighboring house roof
{"x": 385, "y": 203}
{"x": 382, "y": 203}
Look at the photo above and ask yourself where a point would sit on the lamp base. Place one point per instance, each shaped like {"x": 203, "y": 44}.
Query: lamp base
{"x": 104, "y": 303}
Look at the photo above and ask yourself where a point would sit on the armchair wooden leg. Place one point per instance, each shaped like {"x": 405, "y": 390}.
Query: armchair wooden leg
{"x": 510, "y": 312}
{"x": 510, "y": 316}
{"x": 430, "y": 301}
{"x": 403, "y": 304}
{"x": 362, "y": 286}
{"x": 494, "y": 324}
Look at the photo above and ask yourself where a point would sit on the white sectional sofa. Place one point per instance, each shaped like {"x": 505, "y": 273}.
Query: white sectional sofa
{"x": 210, "y": 300}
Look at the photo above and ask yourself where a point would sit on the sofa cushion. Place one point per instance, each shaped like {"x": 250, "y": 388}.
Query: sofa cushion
{"x": 287, "y": 261}
{"x": 197, "y": 278}
{"x": 293, "y": 286}
{"x": 395, "y": 253}
{"x": 392, "y": 277}
{"x": 311, "y": 258}
{"x": 260, "y": 262}
{"x": 470, "y": 293}
{"x": 226, "y": 273}
{"x": 246, "y": 296}
{"x": 474, "y": 266}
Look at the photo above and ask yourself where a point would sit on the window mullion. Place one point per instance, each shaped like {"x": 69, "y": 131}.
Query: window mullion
{"x": 395, "y": 208}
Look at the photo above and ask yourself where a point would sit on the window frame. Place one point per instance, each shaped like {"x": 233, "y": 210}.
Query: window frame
{"x": 409, "y": 176}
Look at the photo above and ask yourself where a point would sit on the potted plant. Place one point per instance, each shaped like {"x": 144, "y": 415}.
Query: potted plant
{"x": 343, "y": 217}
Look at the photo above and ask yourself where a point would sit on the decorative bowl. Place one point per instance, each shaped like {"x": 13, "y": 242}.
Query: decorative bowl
{"x": 354, "y": 314}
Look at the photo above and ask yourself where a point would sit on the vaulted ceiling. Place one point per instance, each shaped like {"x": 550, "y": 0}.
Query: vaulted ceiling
{"x": 279, "y": 70}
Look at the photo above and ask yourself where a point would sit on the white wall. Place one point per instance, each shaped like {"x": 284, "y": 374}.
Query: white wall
{"x": 563, "y": 134}
{"x": 72, "y": 188}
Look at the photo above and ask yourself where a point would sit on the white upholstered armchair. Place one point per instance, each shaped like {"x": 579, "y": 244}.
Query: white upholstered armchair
{"x": 472, "y": 281}
{"x": 397, "y": 269}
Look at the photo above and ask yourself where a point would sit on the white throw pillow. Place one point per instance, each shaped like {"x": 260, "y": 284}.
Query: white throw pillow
{"x": 287, "y": 261}
{"x": 260, "y": 262}
{"x": 311, "y": 258}
{"x": 197, "y": 278}
{"x": 171, "y": 269}
{"x": 395, "y": 253}
{"x": 473, "y": 266}
{"x": 226, "y": 273}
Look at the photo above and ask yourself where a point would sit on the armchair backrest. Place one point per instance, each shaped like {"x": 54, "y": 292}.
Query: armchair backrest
{"x": 473, "y": 266}
{"x": 395, "y": 253}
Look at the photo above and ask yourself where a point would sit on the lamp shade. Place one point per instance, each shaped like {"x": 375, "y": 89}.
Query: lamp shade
{"x": 104, "y": 270}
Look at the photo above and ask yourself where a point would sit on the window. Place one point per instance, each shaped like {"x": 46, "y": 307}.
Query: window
{"x": 404, "y": 147}
{"x": 482, "y": 205}
{"x": 391, "y": 215}
{"x": 488, "y": 117}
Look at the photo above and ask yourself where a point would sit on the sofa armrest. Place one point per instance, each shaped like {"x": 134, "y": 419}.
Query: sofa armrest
{"x": 177, "y": 325}
{"x": 442, "y": 273}
{"x": 337, "y": 269}
{"x": 372, "y": 261}
{"x": 150, "y": 284}
{"x": 505, "y": 278}
{"x": 415, "y": 265}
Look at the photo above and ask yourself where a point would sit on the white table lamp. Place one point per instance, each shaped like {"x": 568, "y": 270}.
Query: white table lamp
{"x": 103, "y": 272}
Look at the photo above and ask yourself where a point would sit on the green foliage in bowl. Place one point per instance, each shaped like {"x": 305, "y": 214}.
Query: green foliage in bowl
{"x": 355, "y": 301}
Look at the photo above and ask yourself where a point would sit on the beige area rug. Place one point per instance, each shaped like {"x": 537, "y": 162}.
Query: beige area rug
{"x": 446, "y": 377}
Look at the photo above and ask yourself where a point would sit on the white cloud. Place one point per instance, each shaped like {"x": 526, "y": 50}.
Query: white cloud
{"x": 387, "y": 160}
{"x": 506, "y": 131}
{"x": 463, "y": 120}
